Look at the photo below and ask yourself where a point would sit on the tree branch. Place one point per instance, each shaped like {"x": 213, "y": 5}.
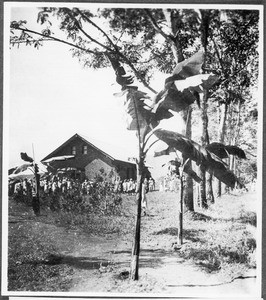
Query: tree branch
{"x": 100, "y": 29}
{"x": 176, "y": 46}
{"x": 58, "y": 40}
{"x": 236, "y": 72}
{"x": 86, "y": 34}
{"x": 218, "y": 54}
{"x": 29, "y": 41}
{"x": 171, "y": 38}
{"x": 155, "y": 25}
{"x": 136, "y": 72}
{"x": 93, "y": 40}
{"x": 116, "y": 49}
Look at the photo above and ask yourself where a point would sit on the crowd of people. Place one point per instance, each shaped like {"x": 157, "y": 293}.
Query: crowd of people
{"x": 129, "y": 186}
{"x": 54, "y": 184}
{"x": 169, "y": 183}
{"x": 47, "y": 186}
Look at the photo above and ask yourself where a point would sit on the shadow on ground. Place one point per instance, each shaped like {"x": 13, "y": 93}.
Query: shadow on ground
{"x": 245, "y": 217}
{"x": 171, "y": 231}
{"x": 148, "y": 258}
{"x": 189, "y": 234}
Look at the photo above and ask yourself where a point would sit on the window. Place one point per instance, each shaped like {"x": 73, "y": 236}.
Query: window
{"x": 85, "y": 149}
{"x": 73, "y": 150}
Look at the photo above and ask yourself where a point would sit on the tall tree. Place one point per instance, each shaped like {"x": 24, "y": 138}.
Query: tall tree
{"x": 205, "y": 20}
{"x": 234, "y": 36}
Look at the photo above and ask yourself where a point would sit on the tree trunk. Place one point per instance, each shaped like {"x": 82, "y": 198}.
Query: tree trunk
{"x": 234, "y": 138}
{"x": 203, "y": 198}
{"x": 209, "y": 189}
{"x": 172, "y": 22}
{"x": 188, "y": 193}
{"x": 36, "y": 195}
{"x": 204, "y": 187}
{"x": 204, "y": 142}
{"x": 180, "y": 212}
{"x": 188, "y": 186}
{"x": 221, "y": 133}
{"x": 176, "y": 47}
{"x": 134, "y": 270}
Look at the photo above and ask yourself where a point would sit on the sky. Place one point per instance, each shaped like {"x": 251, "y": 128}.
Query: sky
{"x": 50, "y": 97}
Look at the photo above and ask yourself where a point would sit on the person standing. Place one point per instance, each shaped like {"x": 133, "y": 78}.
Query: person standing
{"x": 144, "y": 202}
{"x": 150, "y": 185}
{"x": 124, "y": 186}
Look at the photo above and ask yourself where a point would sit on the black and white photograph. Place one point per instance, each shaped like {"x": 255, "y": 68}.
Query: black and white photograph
{"x": 132, "y": 150}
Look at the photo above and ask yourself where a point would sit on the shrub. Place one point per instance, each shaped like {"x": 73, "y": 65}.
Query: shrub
{"x": 100, "y": 200}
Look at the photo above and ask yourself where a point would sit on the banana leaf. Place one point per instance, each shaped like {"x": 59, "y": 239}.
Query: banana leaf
{"x": 223, "y": 151}
{"x": 197, "y": 83}
{"x": 172, "y": 98}
{"x": 190, "y": 149}
{"x": 22, "y": 168}
{"x": 183, "y": 87}
{"x": 188, "y": 169}
{"x": 138, "y": 109}
{"x": 25, "y": 157}
{"x": 164, "y": 152}
{"x": 189, "y": 67}
{"x": 180, "y": 94}
{"x": 181, "y": 90}
{"x": 136, "y": 114}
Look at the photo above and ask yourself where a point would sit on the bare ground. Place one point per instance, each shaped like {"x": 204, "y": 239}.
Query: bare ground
{"x": 100, "y": 264}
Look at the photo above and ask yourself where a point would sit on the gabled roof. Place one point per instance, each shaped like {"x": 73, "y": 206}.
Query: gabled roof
{"x": 116, "y": 153}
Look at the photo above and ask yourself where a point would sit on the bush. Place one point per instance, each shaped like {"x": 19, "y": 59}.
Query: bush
{"x": 103, "y": 199}
{"x": 100, "y": 200}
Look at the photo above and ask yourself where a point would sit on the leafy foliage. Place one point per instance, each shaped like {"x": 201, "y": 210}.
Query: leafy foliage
{"x": 134, "y": 103}
{"x": 191, "y": 150}
{"x": 22, "y": 168}
{"x": 25, "y": 157}
{"x": 177, "y": 95}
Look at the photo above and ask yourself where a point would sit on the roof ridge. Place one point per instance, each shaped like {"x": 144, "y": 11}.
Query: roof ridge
{"x": 94, "y": 146}
{"x": 87, "y": 139}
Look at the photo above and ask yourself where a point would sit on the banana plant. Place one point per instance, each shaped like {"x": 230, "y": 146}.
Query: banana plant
{"x": 209, "y": 158}
{"x": 144, "y": 113}
{"x": 36, "y": 189}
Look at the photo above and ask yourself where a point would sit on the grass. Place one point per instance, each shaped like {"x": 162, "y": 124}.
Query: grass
{"x": 99, "y": 225}
{"x": 28, "y": 264}
{"x": 222, "y": 238}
